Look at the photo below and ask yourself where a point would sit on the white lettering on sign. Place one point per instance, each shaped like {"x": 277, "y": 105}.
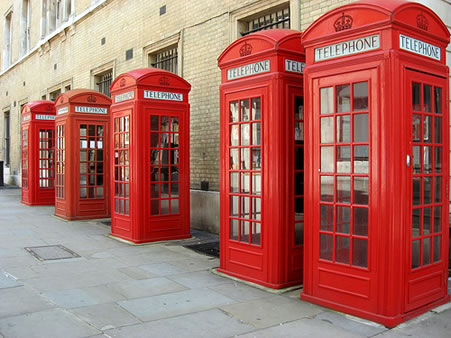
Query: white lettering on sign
{"x": 349, "y": 47}
{"x": 294, "y": 66}
{"x": 124, "y": 96}
{"x": 92, "y": 110}
{"x": 63, "y": 110}
{"x": 153, "y": 94}
{"x": 248, "y": 70}
{"x": 44, "y": 117}
{"x": 26, "y": 118}
{"x": 419, "y": 47}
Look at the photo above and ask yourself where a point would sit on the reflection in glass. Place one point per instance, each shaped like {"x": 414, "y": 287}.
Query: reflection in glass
{"x": 234, "y": 111}
{"x": 343, "y": 129}
{"x": 234, "y": 182}
{"x": 438, "y": 129}
{"x": 416, "y": 221}
{"x": 256, "y": 109}
{"x": 164, "y": 204}
{"x": 298, "y": 108}
{"x": 83, "y": 168}
{"x": 427, "y": 129}
{"x": 416, "y": 89}
{"x": 256, "y": 134}
{"x": 360, "y": 221}
{"x": 360, "y": 252}
{"x": 326, "y": 247}
{"x": 154, "y": 125}
{"x": 437, "y": 219}
{"x": 245, "y": 159}
{"x": 298, "y": 233}
{"x": 343, "y": 219}
{"x": 343, "y": 159}
{"x": 256, "y": 183}
{"x": 427, "y": 158}
{"x": 256, "y": 158}
{"x": 83, "y": 155}
{"x": 427, "y": 220}
{"x": 245, "y": 203}
{"x": 343, "y": 189}
{"x": 416, "y": 126}
{"x": 361, "y": 190}
{"x": 327, "y": 217}
{"x": 416, "y": 191}
{"x": 83, "y": 129}
{"x": 234, "y": 135}
{"x": 327, "y": 189}
{"x": 245, "y": 136}
{"x": 299, "y": 131}
{"x": 327, "y": 129}
{"x": 234, "y": 206}
{"x": 256, "y": 233}
{"x": 256, "y": 209}
{"x": 415, "y": 254}
{"x": 416, "y": 159}
{"x": 361, "y": 128}
{"x": 437, "y": 189}
{"x": 342, "y": 249}
{"x": 427, "y": 98}
{"x": 245, "y": 231}
{"x": 244, "y": 183}
{"x": 327, "y": 159}
{"x": 327, "y": 100}
{"x": 343, "y": 98}
{"x": 174, "y": 206}
{"x": 438, "y": 100}
{"x": 438, "y": 159}
{"x": 427, "y": 193}
{"x": 244, "y": 110}
{"x": 83, "y": 193}
{"x": 426, "y": 251}
{"x": 361, "y": 159}
{"x": 234, "y": 229}
{"x": 360, "y": 99}
{"x": 437, "y": 242}
{"x": 99, "y": 192}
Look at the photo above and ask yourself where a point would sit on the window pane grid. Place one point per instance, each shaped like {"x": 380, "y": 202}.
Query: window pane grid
{"x": 25, "y": 158}
{"x": 46, "y": 158}
{"x": 245, "y": 170}
{"x": 164, "y": 165}
{"x": 344, "y": 174}
{"x": 60, "y": 161}
{"x": 276, "y": 19}
{"x": 167, "y": 60}
{"x": 121, "y": 165}
{"x": 298, "y": 170}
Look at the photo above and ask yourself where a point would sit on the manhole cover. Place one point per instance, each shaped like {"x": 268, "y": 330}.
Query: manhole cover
{"x": 51, "y": 252}
{"x": 211, "y": 248}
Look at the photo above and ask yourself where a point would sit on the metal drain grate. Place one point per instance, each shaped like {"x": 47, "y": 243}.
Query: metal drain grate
{"x": 51, "y": 252}
{"x": 210, "y": 248}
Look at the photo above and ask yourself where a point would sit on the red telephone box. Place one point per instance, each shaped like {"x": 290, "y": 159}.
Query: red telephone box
{"x": 150, "y": 124}
{"x": 378, "y": 159}
{"x": 82, "y": 155}
{"x": 261, "y": 154}
{"x": 38, "y": 153}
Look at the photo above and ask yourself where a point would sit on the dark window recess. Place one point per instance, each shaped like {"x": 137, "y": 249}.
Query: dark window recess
{"x": 129, "y": 54}
{"x": 166, "y": 60}
{"x": 55, "y": 66}
{"x": 104, "y": 82}
{"x": 102, "y": 42}
{"x": 276, "y": 19}
{"x": 7, "y": 139}
{"x": 162, "y": 10}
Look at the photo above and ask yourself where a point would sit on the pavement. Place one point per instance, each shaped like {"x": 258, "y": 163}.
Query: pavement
{"x": 101, "y": 287}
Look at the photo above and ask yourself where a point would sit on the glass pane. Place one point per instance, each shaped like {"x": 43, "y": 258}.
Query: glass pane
{"x": 245, "y": 136}
{"x": 155, "y": 190}
{"x": 416, "y": 221}
{"x": 164, "y": 189}
{"x": 245, "y": 160}
{"x": 175, "y": 206}
{"x": 245, "y": 203}
{"x": 437, "y": 246}
{"x": 427, "y": 156}
{"x": 361, "y": 159}
{"x": 427, "y": 129}
{"x": 83, "y": 168}
{"x": 83, "y": 192}
{"x": 427, "y": 221}
{"x": 256, "y": 158}
{"x": 83, "y": 129}
{"x": 164, "y": 140}
{"x": 244, "y": 110}
{"x": 174, "y": 124}
{"x": 327, "y": 189}
{"x": 416, "y": 125}
{"x": 416, "y": 159}
{"x": 438, "y": 100}
{"x": 427, "y": 192}
{"x": 245, "y": 230}
{"x": 245, "y": 186}
{"x": 416, "y": 102}
{"x": 437, "y": 129}
{"x": 327, "y": 100}
{"x": 99, "y": 192}
{"x": 234, "y": 206}
{"x": 327, "y": 129}
{"x": 343, "y": 219}
{"x": 437, "y": 219}
{"x": 99, "y": 131}
{"x": 415, "y": 254}
{"x": 234, "y": 111}
{"x": 298, "y": 233}
{"x": 256, "y": 109}
{"x": 91, "y": 130}
{"x": 83, "y": 155}
{"x": 234, "y": 182}
{"x": 164, "y": 207}
{"x": 327, "y": 217}
{"x": 427, "y": 98}
{"x": 342, "y": 249}
{"x": 298, "y": 131}
{"x": 299, "y": 205}
{"x": 256, "y": 183}
{"x": 83, "y": 180}
{"x": 326, "y": 247}
{"x": 343, "y": 98}
{"x": 361, "y": 190}
{"x": 327, "y": 159}
{"x": 343, "y": 189}
{"x": 256, "y": 209}
{"x": 127, "y": 209}
{"x": 416, "y": 193}
{"x": 154, "y": 140}
{"x": 360, "y": 128}
{"x": 360, "y": 100}
{"x": 299, "y": 158}
{"x": 234, "y": 229}
{"x": 360, "y": 252}
{"x": 175, "y": 189}
{"x": 298, "y": 108}
{"x": 343, "y": 129}
{"x": 155, "y": 207}
{"x": 164, "y": 123}
{"x": 164, "y": 174}
{"x": 438, "y": 159}
{"x": 256, "y": 233}
{"x": 360, "y": 222}
{"x": 426, "y": 251}
{"x": 256, "y": 134}
{"x": 437, "y": 189}
{"x": 127, "y": 123}
{"x": 343, "y": 159}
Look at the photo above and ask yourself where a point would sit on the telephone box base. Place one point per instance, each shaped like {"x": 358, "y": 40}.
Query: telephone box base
{"x": 37, "y": 203}
{"x": 259, "y": 282}
{"x": 80, "y": 218}
{"x": 389, "y": 322}
{"x": 147, "y": 241}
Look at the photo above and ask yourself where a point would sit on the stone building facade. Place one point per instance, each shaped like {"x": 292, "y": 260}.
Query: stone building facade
{"x": 51, "y": 46}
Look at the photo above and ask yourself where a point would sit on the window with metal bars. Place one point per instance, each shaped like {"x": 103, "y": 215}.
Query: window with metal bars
{"x": 103, "y": 82}
{"x": 279, "y": 18}
{"x": 166, "y": 59}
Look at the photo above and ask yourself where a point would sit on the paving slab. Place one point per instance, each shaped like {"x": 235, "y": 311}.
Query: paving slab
{"x": 163, "y": 269}
{"x": 205, "y": 324}
{"x": 146, "y": 287}
{"x": 49, "y": 323}
{"x": 8, "y": 281}
{"x": 69, "y": 299}
{"x": 240, "y": 292}
{"x": 105, "y": 316}
{"x": 16, "y": 301}
{"x": 199, "y": 279}
{"x": 136, "y": 273}
{"x": 305, "y": 327}
{"x": 174, "y": 304}
{"x": 271, "y": 311}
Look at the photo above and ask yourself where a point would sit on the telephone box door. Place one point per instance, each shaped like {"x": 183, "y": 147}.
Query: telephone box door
{"x": 428, "y": 176}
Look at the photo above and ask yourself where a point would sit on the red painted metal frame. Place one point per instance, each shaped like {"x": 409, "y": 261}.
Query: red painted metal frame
{"x": 38, "y": 163}
{"x": 158, "y": 169}
{"x": 388, "y": 290}
{"x": 263, "y": 250}
{"x": 82, "y": 155}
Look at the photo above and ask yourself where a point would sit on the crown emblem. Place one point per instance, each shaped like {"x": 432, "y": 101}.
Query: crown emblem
{"x": 246, "y": 49}
{"x": 422, "y": 22}
{"x": 164, "y": 81}
{"x": 49, "y": 108}
{"x": 91, "y": 98}
{"x": 343, "y": 22}
{"x": 122, "y": 82}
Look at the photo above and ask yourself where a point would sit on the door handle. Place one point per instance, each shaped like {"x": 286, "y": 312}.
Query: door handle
{"x": 408, "y": 160}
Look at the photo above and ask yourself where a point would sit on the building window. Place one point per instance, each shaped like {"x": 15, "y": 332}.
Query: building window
{"x": 54, "y": 13}
{"x": 166, "y": 59}
{"x": 276, "y": 18}
{"x": 53, "y": 95}
{"x": 7, "y": 38}
{"x": 6, "y": 133}
{"x": 103, "y": 82}
{"x": 25, "y": 27}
